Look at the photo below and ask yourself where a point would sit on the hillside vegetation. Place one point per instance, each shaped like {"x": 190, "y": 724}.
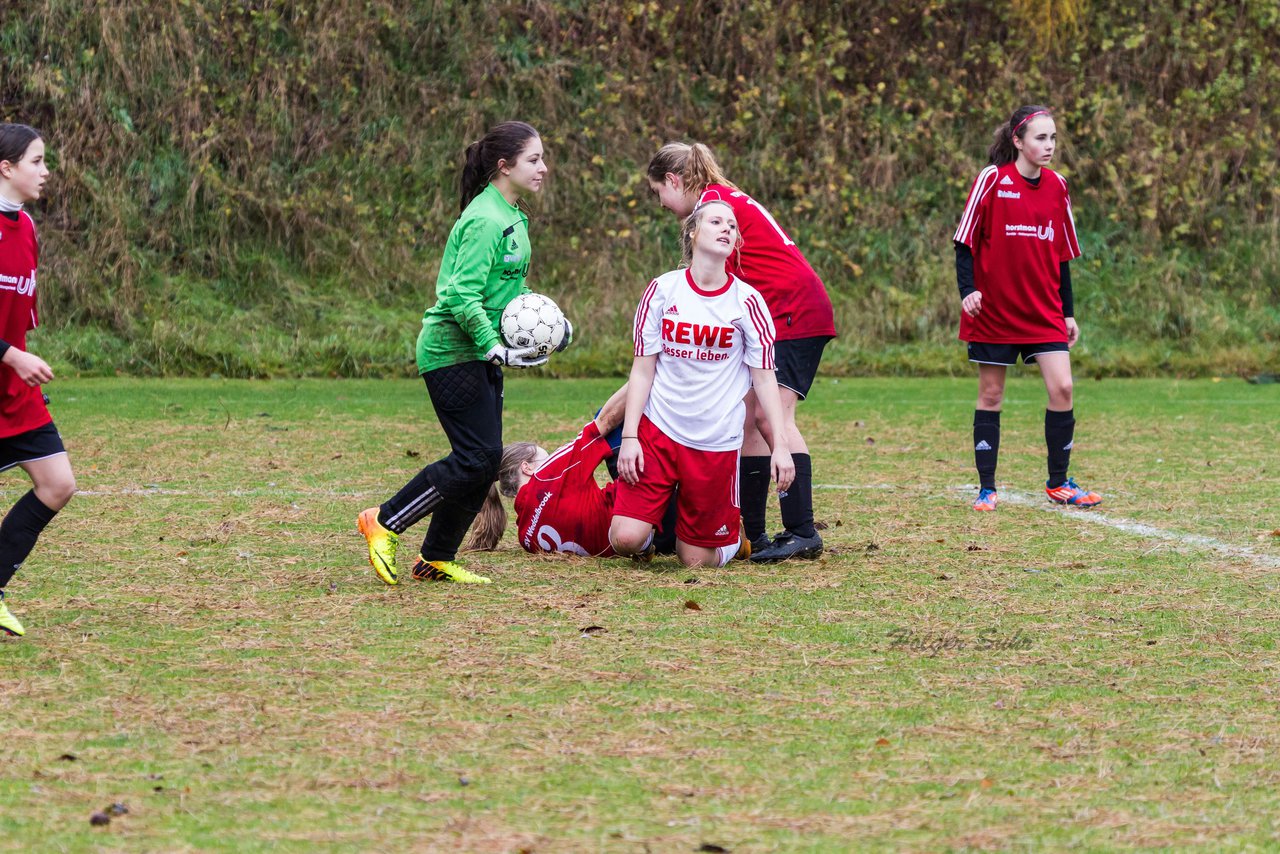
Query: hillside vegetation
{"x": 264, "y": 188}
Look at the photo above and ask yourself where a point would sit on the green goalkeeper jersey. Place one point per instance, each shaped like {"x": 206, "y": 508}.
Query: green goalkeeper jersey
{"x": 484, "y": 267}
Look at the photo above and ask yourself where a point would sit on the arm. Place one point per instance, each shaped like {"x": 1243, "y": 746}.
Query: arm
{"x": 29, "y": 367}
{"x": 970, "y": 296}
{"x": 463, "y": 292}
{"x": 630, "y": 457}
{"x": 611, "y": 414}
{"x": 1068, "y": 303}
{"x": 765, "y": 383}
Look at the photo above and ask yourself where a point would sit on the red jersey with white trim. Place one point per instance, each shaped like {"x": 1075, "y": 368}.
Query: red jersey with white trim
{"x": 706, "y": 342}
{"x": 21, "y": 406}
{"x": 562, "y": 508}
{"x": 1019, "y": 234}
{"x": 770, "y": 260}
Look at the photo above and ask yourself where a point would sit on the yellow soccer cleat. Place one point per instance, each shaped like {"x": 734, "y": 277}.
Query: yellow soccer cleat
{"x": 445, "y": 570}
{"x": 10, "y": 624}
{"x": 382, "y": 545}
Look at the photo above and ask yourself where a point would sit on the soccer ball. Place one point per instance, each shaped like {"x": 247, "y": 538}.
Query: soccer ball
{"x": 533, "y": 320}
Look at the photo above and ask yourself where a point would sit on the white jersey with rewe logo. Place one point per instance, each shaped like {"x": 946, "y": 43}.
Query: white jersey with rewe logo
{"x": 706, "y": 343}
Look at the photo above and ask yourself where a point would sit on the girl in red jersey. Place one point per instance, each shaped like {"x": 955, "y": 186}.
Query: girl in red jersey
{"x": 703, "y": 339}
{"x": 681, "y": 176}
{"x": 1013, "y": 246}
{"x": 559, "y": 506}
{"x": 28, "y": 438}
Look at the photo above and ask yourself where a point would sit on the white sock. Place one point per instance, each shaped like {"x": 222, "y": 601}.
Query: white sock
{"x": 724, "y": 554}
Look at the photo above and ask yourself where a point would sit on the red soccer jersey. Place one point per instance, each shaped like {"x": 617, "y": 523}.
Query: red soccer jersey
{"x": 21, "y": 406}
{"x": 770, "y": 262}
{"x": 562, "y": 508}
{"x": 1019, "y": 234}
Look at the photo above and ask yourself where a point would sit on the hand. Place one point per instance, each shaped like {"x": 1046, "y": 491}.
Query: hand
{"x": 29, "y": 367}
{"x": 1073, "y": 332}
{"x": 630, "y": 460}
{"x": 783, "y": 469}
{"x": 511, "y": 357}
{"x": 568, "y": 336}
{"x": 972, "y": 304}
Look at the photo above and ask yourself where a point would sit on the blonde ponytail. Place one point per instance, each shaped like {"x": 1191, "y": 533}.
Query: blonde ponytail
{"x": 491, "y": 522}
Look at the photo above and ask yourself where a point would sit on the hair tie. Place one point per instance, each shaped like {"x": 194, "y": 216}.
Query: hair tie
{"x": 1029, "y": 118}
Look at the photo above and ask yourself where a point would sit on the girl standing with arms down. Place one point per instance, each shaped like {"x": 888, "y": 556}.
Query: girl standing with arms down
{"x": 702, "y": 335}
{"x": 28, "y": 438}
{"x": 461, "y": 355}
{"x": 682, "y": 176}
{"x": 1013, "y": 246}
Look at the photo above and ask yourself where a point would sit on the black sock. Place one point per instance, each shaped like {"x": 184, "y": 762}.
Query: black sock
{"x": 986, "y": 445}
{"x": 753, "y": 493}
{"x": 1059, "y": 433}
{"x": 411, "y": 504}
{"x": 19, "y": 532}
{"x": 797, "y": 504}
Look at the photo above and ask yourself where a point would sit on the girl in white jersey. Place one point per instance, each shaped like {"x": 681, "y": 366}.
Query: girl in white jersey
{"x": 703, "y": 338}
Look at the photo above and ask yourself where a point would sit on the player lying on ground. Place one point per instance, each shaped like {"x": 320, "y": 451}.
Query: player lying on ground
{"x": 1013, "y": 246}
{"x": 703, "y": 338}
{"x": 559, "y": 506}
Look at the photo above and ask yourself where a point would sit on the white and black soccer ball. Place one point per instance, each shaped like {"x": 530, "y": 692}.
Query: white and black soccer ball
{"x": 533, "y": 320}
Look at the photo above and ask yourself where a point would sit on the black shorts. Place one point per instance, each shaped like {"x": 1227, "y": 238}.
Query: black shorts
{"x": 797, "y": 362}
{"x": 30, "y": 446}
{"x": 1007, "y": 354}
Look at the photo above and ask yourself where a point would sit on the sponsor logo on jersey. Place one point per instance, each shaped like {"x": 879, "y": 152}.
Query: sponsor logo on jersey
{"x": 1006, "y": 180}
{"x": 710, "y": 343}
{"x": 982, "y": 446}
{"x": 1043, "y": 232}
{"x": 723, "y": 532}
{"x": 22, "y": 284}
{"x": 510, "y": 259}
{"x": 1005, "y": 194}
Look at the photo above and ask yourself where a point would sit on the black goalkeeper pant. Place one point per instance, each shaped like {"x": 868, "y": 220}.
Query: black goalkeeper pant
{"x": 467, "y": 399}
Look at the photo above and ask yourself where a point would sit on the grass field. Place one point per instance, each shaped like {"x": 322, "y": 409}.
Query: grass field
{"x": 207, "y": 644}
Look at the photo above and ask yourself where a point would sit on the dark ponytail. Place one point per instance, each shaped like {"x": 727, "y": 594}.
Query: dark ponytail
{"x": 15, "y": 140}
{"x": 1002, "y": 149}
{"x": 503, "y": 142}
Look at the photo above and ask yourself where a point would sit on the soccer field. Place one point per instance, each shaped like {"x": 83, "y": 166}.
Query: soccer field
{"x": 207, "y": 644}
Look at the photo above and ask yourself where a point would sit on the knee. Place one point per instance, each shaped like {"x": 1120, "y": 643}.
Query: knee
{"x": 627, "y": 540}
{"x": 1060, "y": 393}
{"x": 483, "y": 463}
{"x": 990, "y": 398}
{"x": 55, "y": 494}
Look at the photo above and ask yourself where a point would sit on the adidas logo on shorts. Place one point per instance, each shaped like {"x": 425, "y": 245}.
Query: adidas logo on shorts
{"x": 982, "y": 446}
{"x": 724, "y": 531}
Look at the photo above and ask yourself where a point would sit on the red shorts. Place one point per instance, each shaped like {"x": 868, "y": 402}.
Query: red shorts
{"x": 707, "y": 505}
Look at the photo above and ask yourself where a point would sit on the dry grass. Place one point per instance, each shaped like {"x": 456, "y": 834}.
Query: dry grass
{"x": 207, "y": 642}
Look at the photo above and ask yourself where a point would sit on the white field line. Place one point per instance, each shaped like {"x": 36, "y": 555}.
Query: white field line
{"x": 1128, "y": 526}
{"x": 1007, "y": 496}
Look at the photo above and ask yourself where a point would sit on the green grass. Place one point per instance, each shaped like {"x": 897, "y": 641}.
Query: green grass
{"x": 205, "y": 637}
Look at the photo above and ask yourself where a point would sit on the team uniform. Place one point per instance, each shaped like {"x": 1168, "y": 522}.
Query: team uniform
{"x": 485, "y": 263}
{"x": 805, "y": 322}
{"x": 27, "y": 432}
{"x": 1015, "y": 239}
{"x": 1020, "y": 232}
{"x": 562, "y": 508}
{"x": 705, "y": 343}
{"x": 798, "y": 302}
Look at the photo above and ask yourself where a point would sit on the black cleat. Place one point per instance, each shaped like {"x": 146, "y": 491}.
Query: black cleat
{"x": 786, "y": 546}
